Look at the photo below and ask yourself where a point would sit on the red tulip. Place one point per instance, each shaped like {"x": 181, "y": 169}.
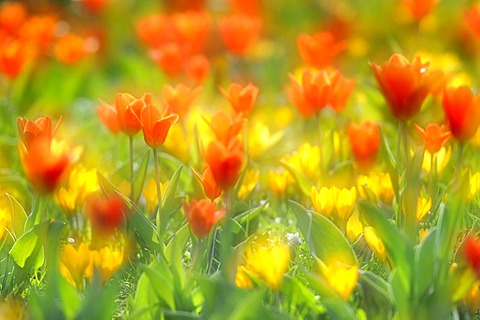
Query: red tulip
{"x": 106, "y": 213}
{"x": 202, "y": 216}
{"x": 225, "y": 162}
{"x": 42, "y": 128}
{"x": 179, "y": 98}
{"x": 197, "y": 68}
{"x": 419, "y": 8}
{"x": 212, "y": 191}
{"x": 472, "y": 254}
{"x": 320, "y": 49}
{"x": 365, "y": 142}
{"x": 239, "y": 32}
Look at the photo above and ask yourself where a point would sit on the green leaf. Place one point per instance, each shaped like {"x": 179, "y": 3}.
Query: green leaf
{"x": 303, "y": 182}
{"x": 250, "y": 214}
{"x": 23, "y": 248}
{"x": 146, "y": 231}
{"x": 377, "y": 297}
{"x": 326, "y": 242}
{"x": 426, "y": 262}
{"x": 161, "y": 280}
{"x": 139, "y": 181}
{"x": 170, "y": 203}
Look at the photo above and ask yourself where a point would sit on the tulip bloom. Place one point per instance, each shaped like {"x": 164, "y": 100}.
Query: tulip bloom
{"x": 126, "y": 113}
{"x": 226, "y": 127}
{"x": 70, "y": 49}
{"x": 170, "y": 58}
{"x": 225, "y": 162}
{"x": 462, "y": 111}
{"x": 179, "y": 98}
{"x": 202, "y": 216}
{"x": 472, "y": 19}
{"x": 320, "y": 89}
{"x": 74, "y": 263}
{"x": 419, "y": 8}
{"x": 13, "y": 57}
{"x": 434, "y": 137}
{"x": 94, "y": 6}
{"x": 241, "y": 98}
{"x": 197, "y": 68}
{"x": 191, "y": 29}
{"x": 404, "y": 85}
{"x": 239, "y": 32}
{"x": 155, "y": 30}
{"x": 472, "y": 254}
{"x": 365, "y": 142}
{"x": 106, "y": 214}
{"x": 12, "y": 15}
{"x": 156, "y": 125}
{"x": 210, "y": 187}
{"x": 320, "y": 49}
{"x": 41, "y": 128}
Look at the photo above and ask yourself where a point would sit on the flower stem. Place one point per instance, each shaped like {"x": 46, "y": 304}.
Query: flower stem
{"x": 132, "y": 180}
{"x": 161, "y": 221}
{"x": 458, "y": 167}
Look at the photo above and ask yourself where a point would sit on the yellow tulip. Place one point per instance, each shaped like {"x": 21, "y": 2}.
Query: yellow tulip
{"x": 278, "y": 182}
{"x": 323, "y": 200}
{"x": 249, "y": 183}
{"x": 442, "y": 158}
{"x": 474, "y": 184}
{"x": 105, "y": 261}
{"x": 343, "y": 278}
{"x": 306, "y": 159}
{"x": 265, "y": 258}
{"x": 379, "y": 184}
{"x": 150, "y": 194}
{"x": 345, "y": 202}
{"x": 354, "y": 227}
{"x": 423, "y": 207}
{"x": 74, "y": 263}
{"x": 375, "y": 243}
{"x": 260, "y": 139}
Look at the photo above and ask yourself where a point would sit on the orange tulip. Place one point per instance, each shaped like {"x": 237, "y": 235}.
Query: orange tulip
{"x": 169, "y": 57}
{"x": 225, "y": 161}
{"x": 39, "y": 30}
{"x": 462, "y": 111}
{"x": 13, "y": 57}
{"x": 179, "y": 98}
{"x": 12, "y": 15}
{"x": 106, "y": 213}
{"x": 126, "y": 114}
{"x": 239, "y": 32}
{"x": 212, "y": 191}
{"x": 226, "y": 127}
{"x": 155, "y": 30}
{"x": 472, "y": 253}
{"x": 94, "y": 6}
{"x": 320, "y": 49}
{"x": 202, "y": 216}
{"x": 44, "y": 169}
{"x": 41, "y": 128}
{"x": 419, "y": 8}
{"x": 191, "y": 29}
{"x": 404, "y": 85}
{"x": 156, "y": 125}
{"x": 365, "y": 142}
{"x": 472, "y": 19}
{"x": 70, "y": 49}
{"x": 241, "y": 98}
{"x": 434, "y": 136}
{"x": 197, "y": 68}
{"x": 247, "y": 7}
{"x": 320, "y": 89}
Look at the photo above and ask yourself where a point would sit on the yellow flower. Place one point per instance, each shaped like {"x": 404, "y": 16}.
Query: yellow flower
{"x": 354, "y": 227}
{"x": 306, "y": 159}
{"x": 5, "y": 216}
{"x": 242, "y": 280}
{"x": 375, "y": 243}
{"x": 74, "y": 263}
{"x": 442, "y": 158}
{"x": 423, "y": 207}
{"x": 473, "y": 298}
{"x": 150, "y": 194}
{"x": 343, "y": 278}
{"x": 379, "y": 184}
{"x": 11, "y": 309}
{"x": 81, "y": 183}
{"x": 278, "y": 182}
{"x": 249, "y": 183}
{"x": 265, "y": 258}
{"x": 474, "y": 184}
{"x": 178, "y": 143}
{"x": 323, "y": 200}
{"x": 105, "y": 261}
{"x": 345, "y": 202}
{"x": 260, "y": 139}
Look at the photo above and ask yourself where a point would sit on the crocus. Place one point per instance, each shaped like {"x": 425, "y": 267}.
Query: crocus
{"x": 434, "y": 137}
{"x": 179, "y": 98}
{"x": 74, "y": 263}
{"x": 225, "y": 161}
{"x": 242, "y": 99}
{"x": 106, "y": 213}
{"x": 156, "y": 125}
{"x": 462, "y": 110}
{"x": 202, "y": 216}
{"x": 404, "y": 85}
{"x": 365, "y": 142}
{"x": 419, "y": 8}
{"x": 41, "y": 128}
{"x": 239, "y": 32}
{"x": 320, "y": 49}
{"x": 210, "y": 187}
{"x": 472, "y": 254}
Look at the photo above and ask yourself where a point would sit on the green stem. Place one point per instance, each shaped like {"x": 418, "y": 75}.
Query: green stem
{"x": 458, "y": 167}
{"x": 132, "y": 179}
{"x": 227, "y": 240}
{"x": 161, "y": 221}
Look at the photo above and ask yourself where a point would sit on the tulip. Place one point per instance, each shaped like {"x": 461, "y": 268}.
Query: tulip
{"x": 419, "y": 8}
{"x": 345, "y": 202}
{"x": 323, "y": 200}
{"x": 156, "y": 125}
{"x": 12, "y": 15}
{"x": 39, "y": 31}
{"x": 472, "y": 253}
{"x": 354, "y": 227}
{"x": 226, "y": 127}
{"x": 241, "y": 98}
{"x": 225, "y": 162}
{"x": 462, "y": 110}
{"x": 74, "y": 263}
{"x": 105, "y": 261}
{"x": 202, "y": 216}
{"x": 150, "y": 193}
{"x": 170, "y": 58}
{"x": 191, "y": 29}
{"x": 106, "y": 213}
{"x": 155, "y": 30}
{"x": 210, "y": 187}
{"x": 39, "y": 129}
{"x": 434, "y": 137}
{"x": 94, "y": 7}
{"x": 365, "y": 142}
{"x": 13, "y": 57}
{"x": 278, "y": 182}
{"x": 320, "y": 49}
{"x": 239, "y": 32}
{"x": 375, "y": 243}
{"x": 472, "y": 19}
{"x": 404, "y": 85}
{"x": 423, "y": 207}
{"x": 179, "y": 98}
{"x": 247, "y": 7}
{"x": 70, "y": 49}
{"x": 250, "y": 180}
{"x": 342, "y": 278}
{"x": 197, "y": 68}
